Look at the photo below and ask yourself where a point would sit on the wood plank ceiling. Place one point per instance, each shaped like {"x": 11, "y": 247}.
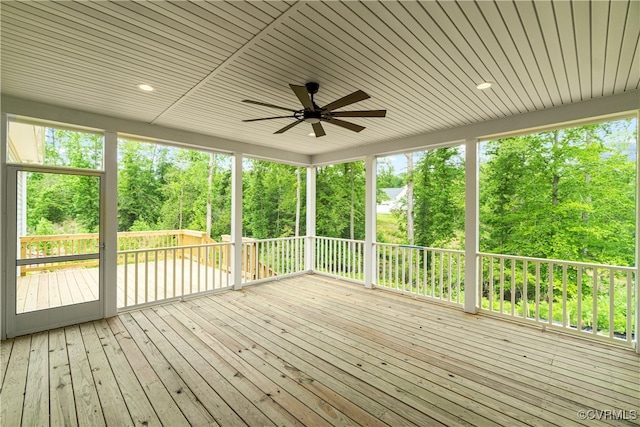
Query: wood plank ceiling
{"x": 419, "y": 60}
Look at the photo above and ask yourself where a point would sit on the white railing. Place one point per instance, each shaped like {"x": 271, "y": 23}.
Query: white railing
{"x": 430, "y": 272}
{"x": 340, "y": 258}
{"x": 588, "y": 299}
{"x": 150, "y": 275}
{"x": 267, "y": 258}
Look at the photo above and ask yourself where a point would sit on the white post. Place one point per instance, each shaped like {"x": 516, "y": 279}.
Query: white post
{"x": 471, "y": 227}
{"x": 637, "y": 301}
{"x": 236, "y": 221}
{"x": 370, "y": 260}
{"x": 110, "y": 233}
{"x": 4, "y": 139}
{"x": 310, "y": 255}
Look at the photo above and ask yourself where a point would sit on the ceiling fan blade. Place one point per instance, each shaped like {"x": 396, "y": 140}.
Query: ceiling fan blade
{"x": 303, "y": 96}
{"x": 367, "y": 113}
{"x": 264, "y": 104}
{"x": 318, "y": 129}
{"x": 268, "y": 118}
{"x": 289, "y": 126}
{"x": 347, "y": 125}
{"x": 346, "y": 100}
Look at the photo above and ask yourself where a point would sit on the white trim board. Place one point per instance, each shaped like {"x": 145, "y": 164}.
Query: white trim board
{"x": 627, "y": 102}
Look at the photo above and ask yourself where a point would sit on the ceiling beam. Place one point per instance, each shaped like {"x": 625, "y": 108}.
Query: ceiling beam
{"x": 54, "y": 113}
{"x": 520, "y": 123}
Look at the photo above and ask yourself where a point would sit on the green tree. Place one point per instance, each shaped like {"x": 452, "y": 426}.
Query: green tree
{"x": 340, "y": 194}
{"x": 439, "y": 198}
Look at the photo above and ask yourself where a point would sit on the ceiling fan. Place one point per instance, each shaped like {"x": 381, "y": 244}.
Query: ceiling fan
{"x": 315, "y": 115}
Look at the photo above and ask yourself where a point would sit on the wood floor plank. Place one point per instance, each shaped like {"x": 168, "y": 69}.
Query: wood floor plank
{"x": 54, "y": 291}
{"x": 203, "y": 391}
{"x": 5, "y": 354}
{"x": 189, "y": 404}
{"x": 534, "y": 371}
{"x": 111, "y": 399}
{"x": 61, "y": 401}
{"x": 85, "y": 393}
{"x": 140, "y": 409}
{"x": 438, "y": 379}
{"x": 165, "y": 407}
{"x": 208, "y": 369}
{"x": 36, "y": 395}
{"x": 257, "y": 356}
{"x": 471, "y": 413}
{"x": 316, "y": 355}
{"x": 304, "y": 351}
{"x": 13, "y": 386}
{"x": 282, "y": 406}
{"x": 483, "y": 338}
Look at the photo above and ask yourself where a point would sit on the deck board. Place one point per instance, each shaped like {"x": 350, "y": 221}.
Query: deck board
{"x": 45, "y": 289}
{"x": 312, "y": 351}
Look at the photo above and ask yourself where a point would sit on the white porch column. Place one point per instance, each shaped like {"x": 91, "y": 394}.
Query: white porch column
{"x": 310, "y": 253}
{"x": 471, "y": 227}
{"x": 110, "y": 224}
{"x": 370, "y": 260}
{"x": 236, "y": 221}
{"x": 4, "y": 139}
{"x": 637, "y": 301}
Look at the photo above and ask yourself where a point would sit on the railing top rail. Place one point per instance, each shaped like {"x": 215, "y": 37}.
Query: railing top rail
{"x": 206, "y": 245}
{"x": 276, "y": 239}
{"x": 54, "y": 237}
{"x": 558, "y": 261}
{"x": 79, "y": 236}
{"x": 339, "y": 239}
{"x": 453, "y": 251}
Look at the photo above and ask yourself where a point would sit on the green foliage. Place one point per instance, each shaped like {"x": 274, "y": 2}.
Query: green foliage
{"x": 439, "y": 198}
{"x": 44, "y": 228}
{"x": 61, "y": 198}
{"x": 340, "y": 200}
{"x": 269, "y": 202}
{"x": 566, "y": 194}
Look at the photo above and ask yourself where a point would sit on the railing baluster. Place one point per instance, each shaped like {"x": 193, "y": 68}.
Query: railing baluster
{"x": 537, "y": 291}
{"x": 173, "y": 256}
{"x": 594, "y": 295}
{"x": 579, "y": 297}
{"x": 146, "y": 276}
{"x": 513, "y": 287}
{"x": 182, "y": 271}
{"x": 490, "y": 282}
{"x": 629, "y": 307}
{"x": 525, "y": 303}
{"x": 501, "y": 285}
{"x": 611, "y": 302}
{"x": 164, "y": 262}
{"x": 550, "y": 316}
{"x": 135, "y": 261}
{"x": 126, "y": 280}
{"x": 199, "y": 255}
{"x": 564, "y": 296}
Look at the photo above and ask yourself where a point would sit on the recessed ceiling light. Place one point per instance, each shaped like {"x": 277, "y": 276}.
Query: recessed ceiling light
{"x": 311, "y": 134}
{"x": 145, "y": 87}
{"x": 484, "y": 85}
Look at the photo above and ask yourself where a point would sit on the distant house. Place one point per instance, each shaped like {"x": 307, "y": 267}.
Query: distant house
{"x": 392, "y": 200}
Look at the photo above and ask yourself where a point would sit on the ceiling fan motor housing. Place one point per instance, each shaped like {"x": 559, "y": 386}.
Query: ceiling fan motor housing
{"x": 312, "y": 116}
{"x": 312, "y": 87}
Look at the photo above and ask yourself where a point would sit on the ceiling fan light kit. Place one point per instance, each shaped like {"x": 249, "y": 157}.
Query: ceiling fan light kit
{"x": 315, "y": 115}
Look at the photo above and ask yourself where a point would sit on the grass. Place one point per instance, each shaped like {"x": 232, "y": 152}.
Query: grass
{"x": 388, "y": 230}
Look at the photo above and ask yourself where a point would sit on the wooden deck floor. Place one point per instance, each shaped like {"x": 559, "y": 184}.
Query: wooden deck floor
{"x": 317, "y": 352}
{"x": 73, "y": 286}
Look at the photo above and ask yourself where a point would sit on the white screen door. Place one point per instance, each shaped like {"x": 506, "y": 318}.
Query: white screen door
{"x": 54, "y": 264}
